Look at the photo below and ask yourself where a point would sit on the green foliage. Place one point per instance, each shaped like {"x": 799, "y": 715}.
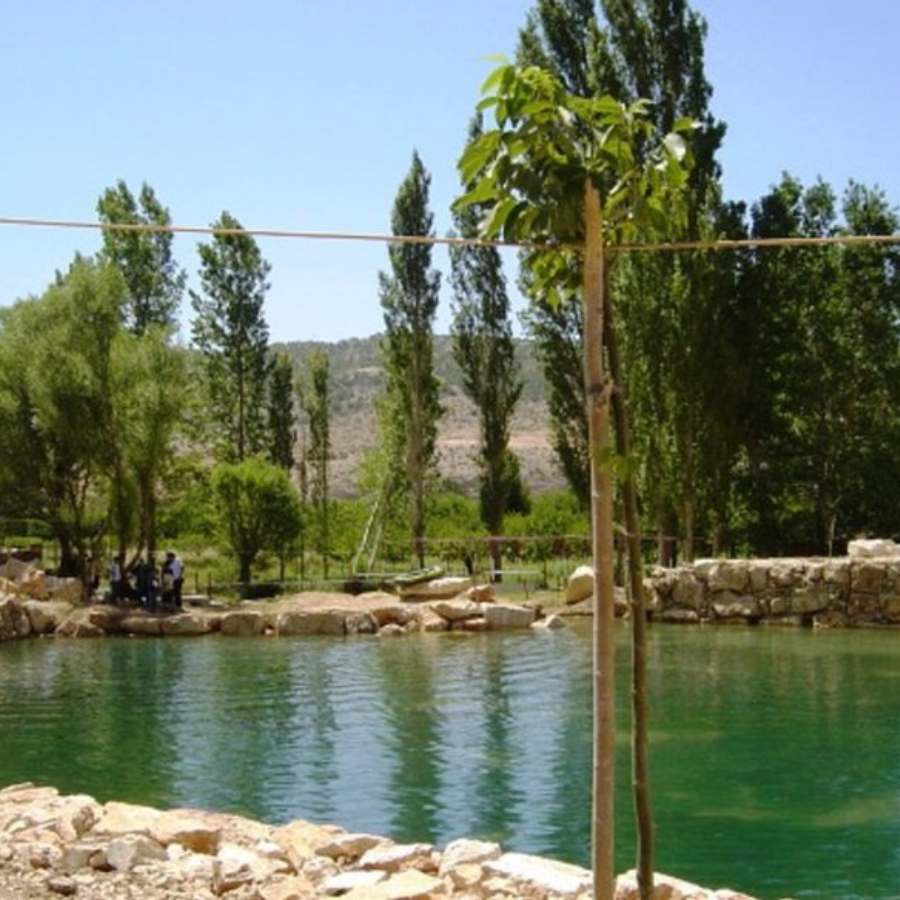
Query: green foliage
{"x": 58, "y": 442}
{"x": 409, "y": 298}
{"x": 155, "y": 281}
{"x": 316, "y": 406}
{"x": 281, "y": 415}
{"x": 258, "y": 510}
{"x": 484, "y": 350}
{"x": 230, "y": 331}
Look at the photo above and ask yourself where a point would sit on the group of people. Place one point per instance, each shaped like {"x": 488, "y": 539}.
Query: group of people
{"x": 147, "y": 584}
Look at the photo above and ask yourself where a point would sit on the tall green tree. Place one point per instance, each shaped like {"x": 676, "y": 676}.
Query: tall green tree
{"x": 150, "y": 392}
{"x": 155, "y": 281}
{"x": 281, "y": 412}
{"x": 483, "y": 348}
{"x": 409, "y": 298}
{"x": 316, "y": 405}
{"x": 258, "y": 510}
{"x": 230, "y": 331}
{"x": 58, "y": 442}
{"x": 651, "y": 49}
{"x": 815, "y": 462}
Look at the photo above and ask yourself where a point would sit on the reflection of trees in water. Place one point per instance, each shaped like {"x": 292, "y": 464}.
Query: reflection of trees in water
{"x": 234, "y": 747}
{"x": 569, "y": 767}
{"x": 413, "y": 739}
{"x": 102, "y": 723}
{"x": 496, "y": 802}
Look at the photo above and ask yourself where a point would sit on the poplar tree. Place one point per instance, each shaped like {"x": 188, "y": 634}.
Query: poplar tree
{"x": 483, "y": 348}
{"x": 651, "y": 49}
{"x": 409, "y": 298}
{"x": 230, "y": 331}
{"x": 280, "y": 412}
{"x": 155, "y": 281}
{"x": 314, "y": 400}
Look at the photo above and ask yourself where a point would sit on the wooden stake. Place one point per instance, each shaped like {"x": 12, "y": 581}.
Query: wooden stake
{"x": 598, "y": 401}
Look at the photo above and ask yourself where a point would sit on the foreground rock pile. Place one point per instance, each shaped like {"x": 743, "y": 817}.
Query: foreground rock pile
{"x": 56, "y": 846}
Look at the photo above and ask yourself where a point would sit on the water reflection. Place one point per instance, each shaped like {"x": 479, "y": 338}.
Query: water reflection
{"x": 774, "y": 754}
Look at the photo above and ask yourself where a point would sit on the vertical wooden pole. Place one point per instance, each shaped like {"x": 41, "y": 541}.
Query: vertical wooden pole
{"x": 640, "y": 734}
{"x": 598, "y": 401}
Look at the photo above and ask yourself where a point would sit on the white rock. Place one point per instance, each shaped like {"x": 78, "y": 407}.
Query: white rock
{"x": 347, "y": 881}
{"x": 456, "y": 610}
{"x": 394, "y": 857}
{"x": 504, "y": 615}
{"x": 581, "y": 584}
{"x": 124, "y": 853}
{"x": 873, "y": 548}
{"x": 560, "y": 878}
{"x": 464, "y": 851}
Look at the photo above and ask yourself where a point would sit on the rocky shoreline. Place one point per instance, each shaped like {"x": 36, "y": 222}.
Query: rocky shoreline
{"x": 55, "y": 846}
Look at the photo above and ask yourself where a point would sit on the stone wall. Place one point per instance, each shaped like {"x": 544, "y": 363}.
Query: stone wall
{"x": 860, "y": 589}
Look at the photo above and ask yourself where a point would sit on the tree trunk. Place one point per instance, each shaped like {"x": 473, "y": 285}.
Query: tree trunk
{"x": 597, "y": 393}
{"x": 245, "y": 561}
{"x": 640, "y": 779}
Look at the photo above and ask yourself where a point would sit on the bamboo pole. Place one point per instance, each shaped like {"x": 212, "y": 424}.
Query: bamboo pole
{"x": 604, "y": 694}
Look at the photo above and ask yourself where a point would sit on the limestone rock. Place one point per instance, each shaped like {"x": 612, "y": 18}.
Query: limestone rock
{"x": 558, "y": 878}
{"x": 396, "y": 857}
{"x": 243, "y": 623}
{"x": 505, "y": 615}
{"x": 875, "y": 548}
{"x": 455, "y": 610}
{"x": 294, "y": 622}
{"x": 481, "y": 593}
{"x": 464, "y": 851}
{"x": 185, "y": 624}
{"x": 407, "y": 885}
{"x": 729, "y": 575}
{"x": 437, "y": 588}
{"x": 130, "y": 850}
{"x": 580, "y": 585}
{"x": 349, "y": 845}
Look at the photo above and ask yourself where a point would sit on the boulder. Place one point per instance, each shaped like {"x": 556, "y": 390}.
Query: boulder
{"x": 503, "y": 615}
{"x": 464, "y": 851}
{"x": 535, "y": 872}
{"x": 454, "y": 610}
{"x": 481, "y": 593}
{"x": 580, "y": 585}
{"x": 294, "y": 622}
{"x": 186, "y": 624}
{"x": 451, "y": 586}
{"x": 243, "y": 623}
{"x": 875, "y": 548}
{"x": 396, "y": 857}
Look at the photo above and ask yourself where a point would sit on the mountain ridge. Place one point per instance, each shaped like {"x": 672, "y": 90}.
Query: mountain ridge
{"x": 357, "y": 379}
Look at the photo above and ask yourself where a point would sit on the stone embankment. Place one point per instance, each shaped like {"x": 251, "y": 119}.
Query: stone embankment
{"x": 53, "y": 845}
{"x": 32, "y": 604}
{"x": 860, "y": 589}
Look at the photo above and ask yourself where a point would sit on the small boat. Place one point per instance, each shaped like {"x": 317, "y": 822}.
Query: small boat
{"x": 419, "y": 576}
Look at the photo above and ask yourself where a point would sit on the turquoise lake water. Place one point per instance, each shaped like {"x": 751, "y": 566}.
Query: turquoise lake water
{"x": 775, "y": 753}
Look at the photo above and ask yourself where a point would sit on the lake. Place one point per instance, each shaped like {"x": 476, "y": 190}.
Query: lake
{"x": 775, "y": 752}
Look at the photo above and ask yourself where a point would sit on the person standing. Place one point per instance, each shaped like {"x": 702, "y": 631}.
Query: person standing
{"x": 176, "y": 567}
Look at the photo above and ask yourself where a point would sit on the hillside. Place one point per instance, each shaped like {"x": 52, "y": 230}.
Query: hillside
{"x": 357, "y": 379}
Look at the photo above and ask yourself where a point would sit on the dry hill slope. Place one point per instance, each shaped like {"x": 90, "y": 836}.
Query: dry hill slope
{"x": 357, "y": 379}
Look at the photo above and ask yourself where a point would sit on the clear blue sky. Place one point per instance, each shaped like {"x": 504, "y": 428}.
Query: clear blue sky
{"x": 303, "y": 114}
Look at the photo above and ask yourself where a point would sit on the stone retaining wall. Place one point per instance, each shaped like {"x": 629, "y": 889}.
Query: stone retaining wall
{"x": 848, "y": 591}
